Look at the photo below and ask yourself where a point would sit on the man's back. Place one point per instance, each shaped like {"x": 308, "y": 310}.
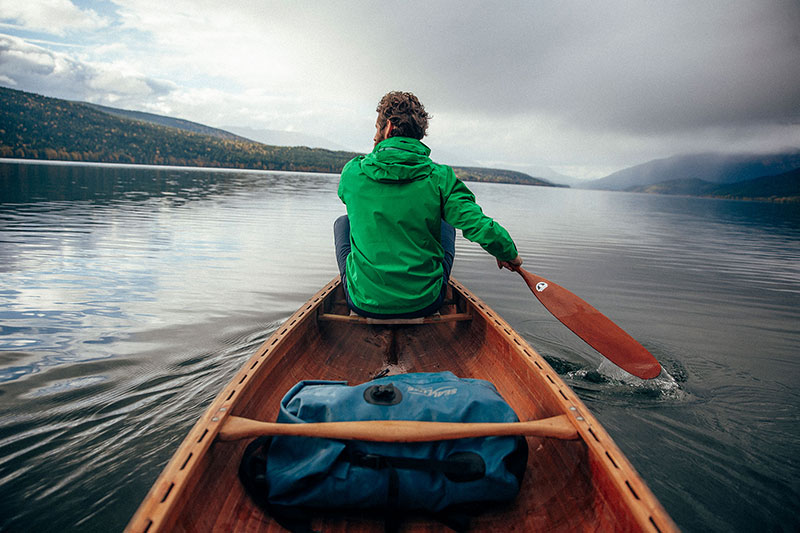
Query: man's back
{"x": 394, "y": 201}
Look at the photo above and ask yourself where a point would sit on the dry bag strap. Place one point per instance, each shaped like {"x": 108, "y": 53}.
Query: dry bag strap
{"x": 459, "y": 466}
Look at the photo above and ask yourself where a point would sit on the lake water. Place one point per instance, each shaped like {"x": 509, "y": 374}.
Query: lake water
{"x": 130, "y": 295}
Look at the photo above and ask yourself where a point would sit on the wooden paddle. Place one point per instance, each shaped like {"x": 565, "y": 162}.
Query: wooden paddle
{"x": 593, "y": 327}
{"x": 557, "y": 427}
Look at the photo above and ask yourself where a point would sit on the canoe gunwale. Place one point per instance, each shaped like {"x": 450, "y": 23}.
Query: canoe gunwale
{"x": 181, "y": 472}
{"x": 181, "y": 475}
{"x": 649, "y": 513}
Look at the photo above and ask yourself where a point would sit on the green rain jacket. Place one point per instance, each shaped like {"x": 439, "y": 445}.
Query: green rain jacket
{"x": 396, "y": 198}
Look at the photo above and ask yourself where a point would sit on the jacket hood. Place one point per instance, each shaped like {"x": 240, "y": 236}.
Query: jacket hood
{"x": 398, "y": 159}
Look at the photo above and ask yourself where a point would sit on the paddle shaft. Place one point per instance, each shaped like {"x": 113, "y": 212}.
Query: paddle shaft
{"x": 558, "y": 427}
{"x": 593, "y": 327}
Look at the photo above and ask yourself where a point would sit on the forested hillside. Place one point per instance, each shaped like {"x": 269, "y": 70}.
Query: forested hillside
{"x": 37, "y": 127}
{"x": 494, "y": 175}
{"x": 781, "y": 188}
{"x": 710, "y": 167}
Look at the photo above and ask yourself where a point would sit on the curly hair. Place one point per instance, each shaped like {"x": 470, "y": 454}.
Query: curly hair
{"x": 406, "y": 113}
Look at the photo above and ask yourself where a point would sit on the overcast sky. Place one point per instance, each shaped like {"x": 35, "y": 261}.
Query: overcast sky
{"x": 582, "y": 87}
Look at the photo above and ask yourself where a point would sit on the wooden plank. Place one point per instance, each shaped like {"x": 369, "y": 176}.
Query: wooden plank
{"x": 433, "y": 319}
{"x": 239, "y": 428}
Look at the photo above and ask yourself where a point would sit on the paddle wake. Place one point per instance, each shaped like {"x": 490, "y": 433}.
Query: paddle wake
{"x": 664, "y": 382}
{"x": 609, "y": 381}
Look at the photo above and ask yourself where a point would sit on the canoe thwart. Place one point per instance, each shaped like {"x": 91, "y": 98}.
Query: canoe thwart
{"x": 433, "y": 319}
{"x": 557, "y": 427}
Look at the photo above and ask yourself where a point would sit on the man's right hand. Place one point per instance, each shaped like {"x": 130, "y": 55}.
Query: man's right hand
{"x": 512, "y": 265}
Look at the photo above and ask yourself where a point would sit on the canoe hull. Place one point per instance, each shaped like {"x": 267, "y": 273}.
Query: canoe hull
{"x": 581, "y": 485}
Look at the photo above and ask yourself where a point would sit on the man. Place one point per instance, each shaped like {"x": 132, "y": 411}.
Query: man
{"x": 395, "y": 247}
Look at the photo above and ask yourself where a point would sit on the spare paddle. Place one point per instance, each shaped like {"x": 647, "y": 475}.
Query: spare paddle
{"x": 557, "y": 427}
{"x": 593, "y": 327}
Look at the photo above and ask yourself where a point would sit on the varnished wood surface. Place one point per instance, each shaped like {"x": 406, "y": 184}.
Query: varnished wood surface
{"x": 581, "y": 485}
{"x": 555, "y": 427}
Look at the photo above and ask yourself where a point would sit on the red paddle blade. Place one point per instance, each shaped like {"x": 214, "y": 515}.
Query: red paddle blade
{"x": 593, "y": 327}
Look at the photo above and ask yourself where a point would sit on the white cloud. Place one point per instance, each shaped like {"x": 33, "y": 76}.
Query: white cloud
{"x": 57, "y": 74}
{"x": 51, "y": 16}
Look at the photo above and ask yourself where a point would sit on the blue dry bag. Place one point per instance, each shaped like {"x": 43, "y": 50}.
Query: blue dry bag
{"x": 302, "y": 472}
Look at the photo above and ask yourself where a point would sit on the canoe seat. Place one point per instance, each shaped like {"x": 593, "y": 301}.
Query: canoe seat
{"x": 356, "y": 319}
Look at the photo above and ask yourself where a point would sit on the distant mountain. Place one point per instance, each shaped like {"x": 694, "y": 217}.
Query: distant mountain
{"x": 547, "y": 174}
{"x": 38, "y": 127}
{"x": 500, "y": 176}
{"x": 687, "y": 187}
{"x": 558, "y": 178}
{"x": 285, "y": 138}
{"x": 782, "y": 188}
{"x": 551, "y": 175}
{"x": 713, "y": 168}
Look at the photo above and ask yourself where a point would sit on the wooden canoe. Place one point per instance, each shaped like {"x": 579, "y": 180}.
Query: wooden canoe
{"x": 585, "y": 484}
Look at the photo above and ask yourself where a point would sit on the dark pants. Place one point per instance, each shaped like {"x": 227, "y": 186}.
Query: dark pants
{"x": 341, "y": 236}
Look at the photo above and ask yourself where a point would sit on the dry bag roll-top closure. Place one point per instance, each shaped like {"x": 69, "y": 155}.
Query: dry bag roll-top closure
{"x": 290, "y": 473}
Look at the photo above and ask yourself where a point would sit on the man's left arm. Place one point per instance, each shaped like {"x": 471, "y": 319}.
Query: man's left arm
{"x": 461, "y": 210}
